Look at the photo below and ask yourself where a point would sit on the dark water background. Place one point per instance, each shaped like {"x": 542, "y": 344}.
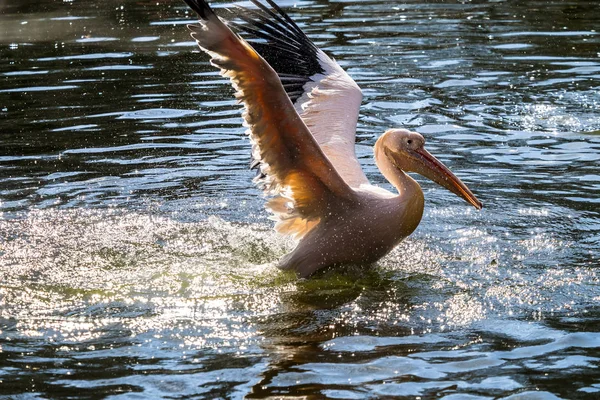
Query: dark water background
{"x": 136, "y": 260}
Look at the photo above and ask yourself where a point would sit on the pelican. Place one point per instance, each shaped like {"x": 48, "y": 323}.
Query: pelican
{"x": 301, "y": 109}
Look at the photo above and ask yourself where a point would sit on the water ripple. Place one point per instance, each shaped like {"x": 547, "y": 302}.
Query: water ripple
{"x": 136, "y": 256}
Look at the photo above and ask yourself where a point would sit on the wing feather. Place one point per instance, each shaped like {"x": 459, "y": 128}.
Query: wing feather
{"x": 303, "y": 180}
{"x": 324, "y": 95}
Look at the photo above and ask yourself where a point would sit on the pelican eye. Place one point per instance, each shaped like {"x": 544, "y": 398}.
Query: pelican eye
{"x": 409, "y": 141}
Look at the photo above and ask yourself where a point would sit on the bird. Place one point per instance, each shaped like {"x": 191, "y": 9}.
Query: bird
{"x": 301, "y": 111}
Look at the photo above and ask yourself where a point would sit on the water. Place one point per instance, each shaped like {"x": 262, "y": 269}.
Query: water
{"x": 136, "y": 260}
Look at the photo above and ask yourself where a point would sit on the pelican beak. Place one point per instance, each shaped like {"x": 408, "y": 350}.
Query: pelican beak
{"x": 430, "y": 167}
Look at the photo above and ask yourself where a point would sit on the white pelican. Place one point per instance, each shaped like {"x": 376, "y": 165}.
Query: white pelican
{"x": 301, "y": 110}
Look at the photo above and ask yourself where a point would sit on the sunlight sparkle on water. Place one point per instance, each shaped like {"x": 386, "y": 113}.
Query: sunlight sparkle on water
{"x": 136, "y": 258}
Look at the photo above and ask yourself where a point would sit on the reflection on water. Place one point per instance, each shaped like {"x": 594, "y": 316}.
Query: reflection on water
{"x": 136, "y": 258}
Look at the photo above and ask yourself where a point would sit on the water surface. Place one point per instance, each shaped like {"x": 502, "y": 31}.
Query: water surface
{"x": 137, "y": 261}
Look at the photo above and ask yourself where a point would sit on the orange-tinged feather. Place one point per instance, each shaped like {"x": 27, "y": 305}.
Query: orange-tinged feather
{"x": 289, "y": 154}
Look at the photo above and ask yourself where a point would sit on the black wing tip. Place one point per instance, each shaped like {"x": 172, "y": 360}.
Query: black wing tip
{"x": 275, "y": 36}
{"x": 201, "y": 8}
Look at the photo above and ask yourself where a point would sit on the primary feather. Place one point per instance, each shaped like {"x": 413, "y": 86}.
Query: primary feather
{"x": 299, "y": 176}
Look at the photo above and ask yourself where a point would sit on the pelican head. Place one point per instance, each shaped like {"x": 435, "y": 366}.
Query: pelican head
{"x": 406, "y": 152}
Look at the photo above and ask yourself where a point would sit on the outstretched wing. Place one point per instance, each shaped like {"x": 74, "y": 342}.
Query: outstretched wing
{"x": 324, "y": 95}
{"x": 305, "y": 183}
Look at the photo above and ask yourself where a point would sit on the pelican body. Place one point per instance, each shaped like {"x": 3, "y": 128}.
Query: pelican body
{"x": 301, "y": 110}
